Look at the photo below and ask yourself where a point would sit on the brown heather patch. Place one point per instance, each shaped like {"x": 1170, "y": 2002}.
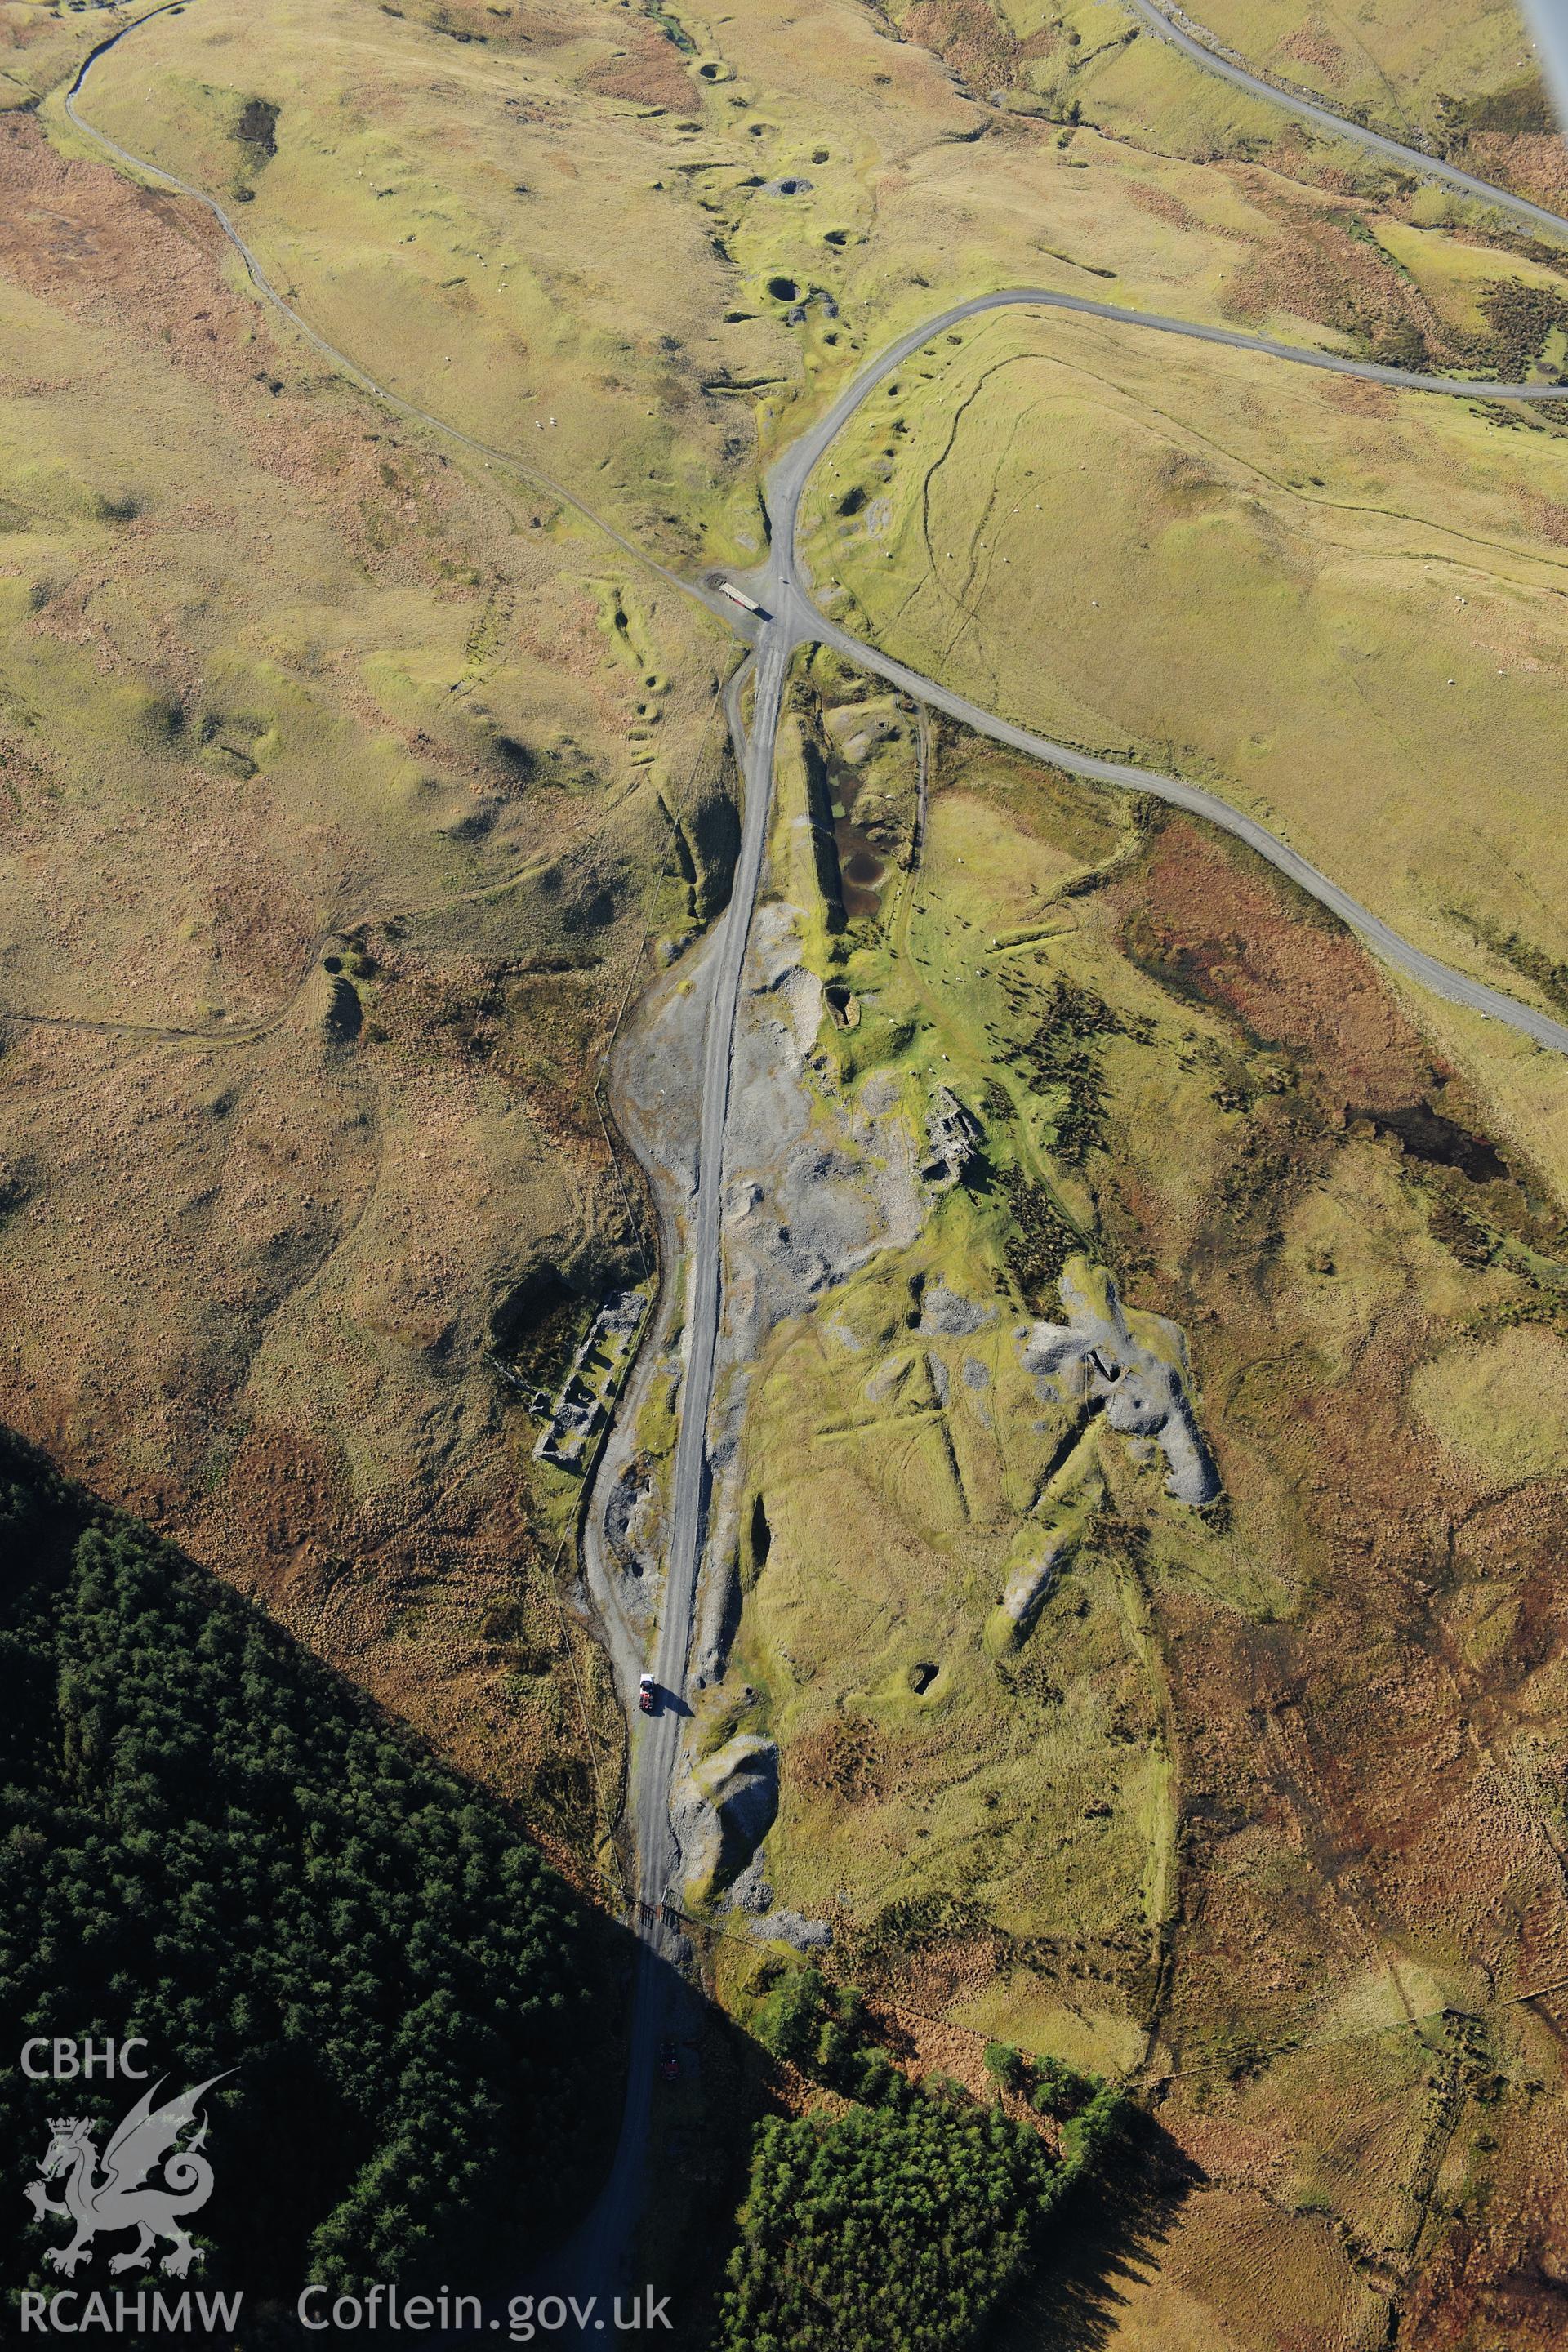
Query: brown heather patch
{"x": 926, "y": 1982}
{"x": 967, "y": 36}
{"x": 651, "y": 75}
{"x": 151, "y": 267}
{"x": 1043, "y": 44}
{"x": 1356, "y": 396}
{"x": 1341, "y": 1759}
{"x": 538, "y": 30}
{"x": 1209, "y": 919}
{"x": 1312, "y": 44}
{"x": 1357, "y": 1784}
{"x": 841, "y": 1758}
{"x": 1498, "y": 2274}
{"x": 1533, "y": 162}
{"x": 1547, "y": 519}
{"x": 1160, "y": 203}
{"x": 1316, "y": 269}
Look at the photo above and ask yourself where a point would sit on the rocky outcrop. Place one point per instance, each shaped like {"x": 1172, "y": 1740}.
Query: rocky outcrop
{"x": 1046, "y": 1545}
{"x": 723, "y": 1807}
{"x": 950, "y": 1313}
{"x": 792, "y": 1927}
{"x": 952, "y": 1137}
{"x": 1134, "y": 1364}
{"x": 1121, "y": 1369}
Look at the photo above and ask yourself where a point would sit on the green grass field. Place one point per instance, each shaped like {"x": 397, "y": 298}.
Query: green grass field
{"x": 1337, "y": 607}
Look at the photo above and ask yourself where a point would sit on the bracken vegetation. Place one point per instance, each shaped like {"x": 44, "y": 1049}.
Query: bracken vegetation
{"x": 1064, "y": 1054}
{"x": 1521, "y": 317}
{"x": 1040, "y": 1241}
{"x": 211, "y": 1843}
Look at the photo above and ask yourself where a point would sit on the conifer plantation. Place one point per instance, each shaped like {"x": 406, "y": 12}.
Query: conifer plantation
{"x": 904, "y": 2222}
{"x": 212, "y": 1843}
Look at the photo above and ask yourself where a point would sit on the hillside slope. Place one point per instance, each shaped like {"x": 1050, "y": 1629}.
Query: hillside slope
{"x": 212, "y": 1844}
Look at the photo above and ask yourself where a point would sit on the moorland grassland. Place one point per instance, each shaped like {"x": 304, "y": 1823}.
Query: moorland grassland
{"x": 1455, "y": 79}
{"x": 351, "y": 779}
{"x": 1457, "y": 73}
{"x": 1340, "y": 607}
{"x": 1172, "y": 1838}
{"x": 342, "y": 791}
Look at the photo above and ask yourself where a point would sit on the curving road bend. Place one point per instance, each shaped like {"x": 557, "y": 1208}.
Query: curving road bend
{"x": 784, "y": 589}
{"x": 1443, "y": 981}
{"x": 597, "y": 2258}
{"x": 791, "y": 617}
{"x": 1202, "y": 53}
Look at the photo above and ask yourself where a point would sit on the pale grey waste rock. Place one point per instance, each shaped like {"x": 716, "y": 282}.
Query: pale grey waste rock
{"x": 721, "y": 1809}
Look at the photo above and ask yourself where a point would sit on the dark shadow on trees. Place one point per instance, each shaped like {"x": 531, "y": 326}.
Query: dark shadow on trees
{"x": 140, "y": 1690}
{"x": 1105, "y": 2241}
{"x": 414, "y": 2027}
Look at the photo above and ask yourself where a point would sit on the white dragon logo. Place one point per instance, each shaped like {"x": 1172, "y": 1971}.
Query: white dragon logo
{"x": 116, "y": 2198}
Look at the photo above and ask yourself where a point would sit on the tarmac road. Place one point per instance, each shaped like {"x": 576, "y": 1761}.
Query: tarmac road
{"x": 658, "y": 1738}
{"x": 598, "y": 2259}
{"x": 1411, "y": 159}
{"x": 786, "y": 592}
{"x": 1440, "y": 978}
